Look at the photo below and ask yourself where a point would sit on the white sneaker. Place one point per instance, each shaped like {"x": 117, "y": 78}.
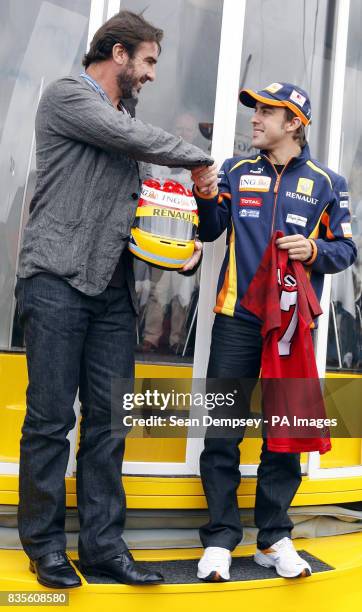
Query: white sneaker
{"x": 283, "y": 556}
{"x": 214, "y": 565}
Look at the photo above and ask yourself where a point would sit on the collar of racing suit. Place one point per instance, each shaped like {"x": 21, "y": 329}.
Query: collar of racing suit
{"x": 294, "y": 162}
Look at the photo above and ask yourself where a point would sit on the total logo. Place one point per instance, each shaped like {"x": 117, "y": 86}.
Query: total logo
{"x": 256, "y": 202}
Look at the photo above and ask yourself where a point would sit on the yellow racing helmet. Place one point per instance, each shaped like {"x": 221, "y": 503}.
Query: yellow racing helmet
{"x": 164, "y": 229}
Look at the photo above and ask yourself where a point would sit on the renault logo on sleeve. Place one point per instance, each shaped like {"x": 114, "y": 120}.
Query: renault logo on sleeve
{"x": 305, "y": 186}
{"x": 347, "y": 230}
{"x": 249, "y": 182}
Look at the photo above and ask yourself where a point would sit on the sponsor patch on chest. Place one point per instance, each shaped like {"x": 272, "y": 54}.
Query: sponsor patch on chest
{"x": 305, "y": 185}
{"x": 255, "y": 202}
{"x": 296, "y": 219}
{"x": 250, "y": 182}
{"x": 250, "y": 213}
{"x": 301, "y": 197}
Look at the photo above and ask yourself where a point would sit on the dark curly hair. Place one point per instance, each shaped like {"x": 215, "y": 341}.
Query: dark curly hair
{"x": 126, "y": 28}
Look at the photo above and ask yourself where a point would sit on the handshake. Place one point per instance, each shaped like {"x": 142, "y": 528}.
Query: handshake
{"x": 205, "y": 179}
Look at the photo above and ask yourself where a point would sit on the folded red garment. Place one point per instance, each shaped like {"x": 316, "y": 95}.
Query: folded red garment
{"x": 281, "y": 295}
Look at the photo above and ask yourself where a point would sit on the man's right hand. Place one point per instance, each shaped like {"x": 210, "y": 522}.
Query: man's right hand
{"x": 205, "y": 178}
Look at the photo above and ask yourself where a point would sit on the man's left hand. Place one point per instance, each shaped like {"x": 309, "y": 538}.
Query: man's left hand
{"x": 299, "y": 247}
{"x": 195, "y": 258}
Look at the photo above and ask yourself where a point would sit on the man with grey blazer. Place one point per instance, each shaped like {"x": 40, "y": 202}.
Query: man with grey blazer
{"x": 77, "y": 301}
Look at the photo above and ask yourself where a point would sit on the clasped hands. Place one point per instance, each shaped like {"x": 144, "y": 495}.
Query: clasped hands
{"x": 205, "y": 178}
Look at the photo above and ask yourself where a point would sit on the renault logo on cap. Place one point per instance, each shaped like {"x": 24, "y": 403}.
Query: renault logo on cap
{"x": 274, "y": 87}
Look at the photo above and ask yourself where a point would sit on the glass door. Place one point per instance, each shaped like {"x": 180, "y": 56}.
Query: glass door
{"x": 182, "y": 101}
{"x": 41, "y": 41}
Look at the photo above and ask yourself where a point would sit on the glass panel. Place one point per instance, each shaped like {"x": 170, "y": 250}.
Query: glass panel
{"x": 345, "y": 325}
{"x": 289, "y": 42}
{"x": 40, "y": 42}
{"x": 182, "y": 102}
{"x": 161, "y": 450}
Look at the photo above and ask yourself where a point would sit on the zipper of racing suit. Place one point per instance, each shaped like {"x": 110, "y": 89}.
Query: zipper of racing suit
{"x": 276, "y": 188}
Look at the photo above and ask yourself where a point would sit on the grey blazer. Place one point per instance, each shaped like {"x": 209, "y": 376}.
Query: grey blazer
{"x": 90, "y": 161}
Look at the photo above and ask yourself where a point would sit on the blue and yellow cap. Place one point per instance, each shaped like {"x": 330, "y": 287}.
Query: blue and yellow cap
{"x": 280, "y": 94}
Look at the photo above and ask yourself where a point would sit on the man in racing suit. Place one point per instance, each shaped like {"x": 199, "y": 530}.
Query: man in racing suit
{"x": 281, "y": 188}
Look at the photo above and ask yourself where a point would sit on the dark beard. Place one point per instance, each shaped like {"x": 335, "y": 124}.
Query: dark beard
{"x": 126, "y": 84}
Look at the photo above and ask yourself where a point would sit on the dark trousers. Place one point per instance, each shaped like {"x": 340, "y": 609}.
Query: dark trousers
{"x": 236, "y": 353}
{"x": 73, "y": 342}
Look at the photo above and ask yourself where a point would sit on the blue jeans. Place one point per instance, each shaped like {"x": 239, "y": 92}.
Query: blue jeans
{"x": 236, "y": 353}
{"x": 73, "y": 341}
